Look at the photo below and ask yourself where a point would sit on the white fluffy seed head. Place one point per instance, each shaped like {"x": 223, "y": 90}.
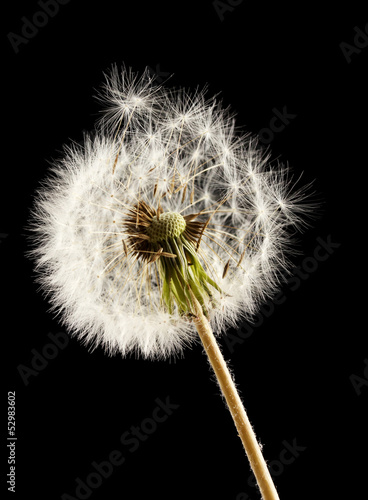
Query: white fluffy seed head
{"x": 176, "y": 153}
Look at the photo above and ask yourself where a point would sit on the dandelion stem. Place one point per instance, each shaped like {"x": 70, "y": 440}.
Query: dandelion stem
{"x": 235, "y": 405}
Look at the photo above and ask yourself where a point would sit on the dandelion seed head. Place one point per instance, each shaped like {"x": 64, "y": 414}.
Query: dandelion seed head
{"x": 165, "y": 195}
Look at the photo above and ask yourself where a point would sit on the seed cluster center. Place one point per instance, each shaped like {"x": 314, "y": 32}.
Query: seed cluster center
{"x": 168, "y": 225}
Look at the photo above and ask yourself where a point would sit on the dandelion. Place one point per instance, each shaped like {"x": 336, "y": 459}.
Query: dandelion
{"x": 164, "y": 226}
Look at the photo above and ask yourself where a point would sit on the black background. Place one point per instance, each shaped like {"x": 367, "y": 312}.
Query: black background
{"x": 294, "y": 369}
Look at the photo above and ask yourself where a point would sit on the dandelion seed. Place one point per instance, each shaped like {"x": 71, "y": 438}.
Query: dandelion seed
{"x": 135, "y": 266}
{"x": 226, "y": 268}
